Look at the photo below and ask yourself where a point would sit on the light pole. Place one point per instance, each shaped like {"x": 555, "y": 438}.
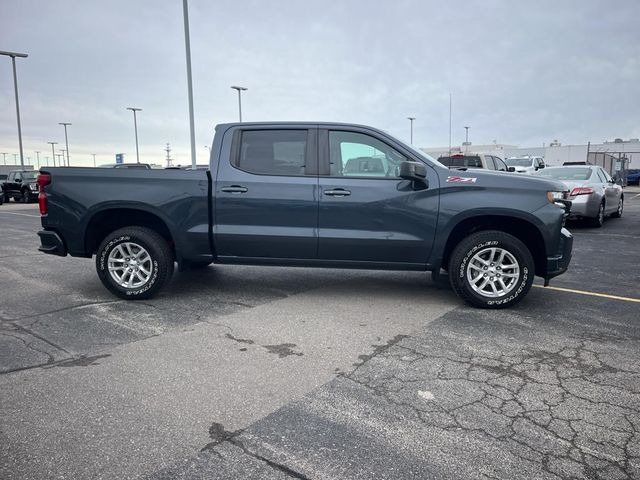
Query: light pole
{"x": 187, "y": 46}
{"x": 4, "y": 157}
{"x": 66, "y": 140}
{"x": 94, "y": 159}
{"x": 240, "y": 90}
{"x": 63, "y": 164}
{"x": 53, "y": 151}
{"x": 15, "y": 158}
{"x": 38, "y": 160}
{"x": 411, "y": 119}
{"x": 466, "y": 139}
{"x": 60, "y": 164}
{"x": 13, "y": 56}
{"x": 47, "y": 160}
{"x": 135, "y": 126}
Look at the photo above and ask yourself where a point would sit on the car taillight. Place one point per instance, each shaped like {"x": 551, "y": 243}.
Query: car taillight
{"x": 581, "y": 191}
{"x": 43, "y": 180}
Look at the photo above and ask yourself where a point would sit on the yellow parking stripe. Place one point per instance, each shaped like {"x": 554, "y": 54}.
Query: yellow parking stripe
{"x": 591, "y": 294}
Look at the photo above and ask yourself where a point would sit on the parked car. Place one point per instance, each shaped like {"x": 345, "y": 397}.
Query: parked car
{"x": 309, "y": 194}
{"x": 21, "y": 185}
{"x": 464, "y": 161}
{"x": 592, "y": 192}
{"x": 1, "y": 194}
{"x": 528, "y": 165}
{"x": 139, "y": 166}
{"x": 633, "y": 176}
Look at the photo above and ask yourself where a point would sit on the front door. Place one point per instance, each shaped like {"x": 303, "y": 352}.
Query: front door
{"x": 266, "y": 202}
{"x": 367, "y": 213}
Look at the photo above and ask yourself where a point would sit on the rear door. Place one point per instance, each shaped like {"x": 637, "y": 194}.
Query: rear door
{"x": 367, "y": 213}
{"x": 12, "y": 186}
{"x": 266, "y": 202}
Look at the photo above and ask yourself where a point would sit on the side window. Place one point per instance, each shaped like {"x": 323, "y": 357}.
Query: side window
{"x": 354, "y": 154}
{"x": 601, "y": 176}
{"x": 489, "y": 160}
{"x": 607, "y": 176}
{"x": 18, "y": 176}
{"x": 11, "y": 177}
{"x": 272, "y": 152}
{"x": 500, "y": 165}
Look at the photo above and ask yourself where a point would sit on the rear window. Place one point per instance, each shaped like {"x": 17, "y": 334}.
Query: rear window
{"x": 273, "y": 152}
{"x": 469, "y": 161}
{"x": 566, "y": 173}
{"x": 519, "y": 162}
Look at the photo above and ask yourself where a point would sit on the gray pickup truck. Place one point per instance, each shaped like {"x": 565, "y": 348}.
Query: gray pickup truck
{"x": 313, "y": 195}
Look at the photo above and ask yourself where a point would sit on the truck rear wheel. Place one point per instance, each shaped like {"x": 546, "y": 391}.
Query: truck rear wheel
{"x": 491, "y": 269}
{"x": 134, "y": 263}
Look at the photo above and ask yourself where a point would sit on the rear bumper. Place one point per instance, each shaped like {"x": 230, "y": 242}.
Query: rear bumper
{"x": 557, "y": 264}
{"x": 52, "y": 243}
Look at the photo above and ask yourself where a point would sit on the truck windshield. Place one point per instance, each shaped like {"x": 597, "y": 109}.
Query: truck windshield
{"x": 469, "y": 161}
{"x": 519, "y": 162}
{"x": 29, "y": 176}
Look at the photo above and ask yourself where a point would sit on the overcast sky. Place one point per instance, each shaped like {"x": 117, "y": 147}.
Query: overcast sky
{"x": 520, "y": 72}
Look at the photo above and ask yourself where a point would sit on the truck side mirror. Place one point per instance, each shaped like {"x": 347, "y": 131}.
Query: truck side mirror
{"x": 511, "y": 169}
{"x": 413, "y": 171}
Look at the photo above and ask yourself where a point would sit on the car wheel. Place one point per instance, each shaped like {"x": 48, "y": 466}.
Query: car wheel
{"x": 134, "y": 263}
{"x": 25, "y": 196}
{"x": 598, "y": 220}
{"x": 618, "y": 212}
{"x": 491, "y": 269}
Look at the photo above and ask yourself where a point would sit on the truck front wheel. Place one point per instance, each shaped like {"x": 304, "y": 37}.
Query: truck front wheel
{"x": 491, "y": 269}
{"x": 134, "y": 263}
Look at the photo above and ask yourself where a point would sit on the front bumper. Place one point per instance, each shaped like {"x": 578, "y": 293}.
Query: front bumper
{"x": 557, "y": 264}
{"x": 52, "y": 243}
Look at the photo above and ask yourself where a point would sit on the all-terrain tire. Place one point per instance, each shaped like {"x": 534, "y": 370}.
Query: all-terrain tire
{"x": 113, "y": 254}
{"x": 506, "y": 259}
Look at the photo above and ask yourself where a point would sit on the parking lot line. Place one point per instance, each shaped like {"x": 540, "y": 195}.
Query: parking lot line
{"x": 592, "y": 294}
{"x": 22, "y": 214}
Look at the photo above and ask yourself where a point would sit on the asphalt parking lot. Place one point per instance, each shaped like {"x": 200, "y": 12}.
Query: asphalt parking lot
{"x": 242, "y": 372}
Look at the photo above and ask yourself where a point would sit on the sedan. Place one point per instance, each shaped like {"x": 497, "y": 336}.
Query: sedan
{"x": 592, "y": 192}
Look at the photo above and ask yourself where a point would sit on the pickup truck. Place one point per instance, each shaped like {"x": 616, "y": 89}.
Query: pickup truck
{"x": 313, "y": 195}
{"x": 21, "y": 185}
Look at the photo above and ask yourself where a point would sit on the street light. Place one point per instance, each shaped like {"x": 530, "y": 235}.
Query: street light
{"x": 38, "y": 155}
{"x": 53, "y": 151}
{"x": 13, "y": 56}
{"x": 411, "y": 119}
{"x": 240, "y": 90}
{"x": 94, "y": 159}
{"x": 135, "y": 126}
{"x": 4, "y": 157}
{"x": 187, "y": 46}
{"x": 466, "y": 139}
{"x": 63, "y": 164}
{"x": 66, "y": 140}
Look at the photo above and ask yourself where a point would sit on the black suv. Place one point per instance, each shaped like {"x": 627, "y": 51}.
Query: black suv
{"x": 21, "y": 186}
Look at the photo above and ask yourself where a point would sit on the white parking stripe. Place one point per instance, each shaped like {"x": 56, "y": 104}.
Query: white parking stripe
{"x": 591, "y": 294}
{"x": 22, "y": 214}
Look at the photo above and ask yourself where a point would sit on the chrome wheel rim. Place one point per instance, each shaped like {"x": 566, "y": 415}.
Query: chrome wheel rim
{"x": 493, "y": 272}
{"x": 130, "y": 265}
{"x": 601, "y": 214}
{"x": 620, "y": 207}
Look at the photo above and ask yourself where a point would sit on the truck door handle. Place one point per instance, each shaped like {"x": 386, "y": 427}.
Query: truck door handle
{"x": 337, "y": 192}
{"x": 234, "y": 189}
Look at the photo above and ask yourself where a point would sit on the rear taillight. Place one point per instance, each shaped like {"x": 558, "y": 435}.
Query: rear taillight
{"x": 44, "y": 179}
{"x": 581, "y": 191}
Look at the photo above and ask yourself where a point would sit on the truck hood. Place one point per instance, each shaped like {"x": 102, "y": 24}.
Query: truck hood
{"x": 493, "y": 179}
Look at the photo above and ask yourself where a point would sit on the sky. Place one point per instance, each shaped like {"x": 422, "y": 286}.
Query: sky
{"x": 519, "y": 73}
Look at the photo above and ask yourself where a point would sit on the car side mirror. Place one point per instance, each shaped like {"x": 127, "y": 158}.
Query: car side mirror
{"x": 511, "y": 169}
{"x": 413, "y": 171}
{"x": 540, "y": 166}
{"x": 18, "y": 180}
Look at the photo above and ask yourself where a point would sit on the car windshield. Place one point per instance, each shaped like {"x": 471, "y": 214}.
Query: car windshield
{"x": 519, "y": 162}
{"x": 29, "y": 176}
{"x": 566, "y": 173}
{"x": 469, "y": 161}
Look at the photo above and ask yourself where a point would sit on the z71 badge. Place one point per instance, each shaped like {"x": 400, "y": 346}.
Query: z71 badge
{"x": 454, "y": 179}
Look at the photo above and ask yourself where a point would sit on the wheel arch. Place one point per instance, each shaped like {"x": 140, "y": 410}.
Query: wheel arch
{"x": 107, "y": 220}
{"x": 524, "y": 230}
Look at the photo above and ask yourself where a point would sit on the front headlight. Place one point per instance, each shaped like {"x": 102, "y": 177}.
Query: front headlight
{"x": 558, "y": 199}
{"x": 34, "y": 187}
